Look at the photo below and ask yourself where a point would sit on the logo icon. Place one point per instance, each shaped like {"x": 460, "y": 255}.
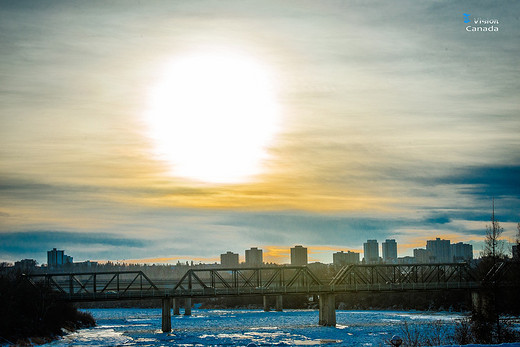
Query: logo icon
{"x": 466, "y": 17}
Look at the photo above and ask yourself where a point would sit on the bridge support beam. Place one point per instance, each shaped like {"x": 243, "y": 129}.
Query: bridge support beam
{"x": 176, "y": 310}
{"x": 279, "y": 303}
{"x": 266, "y": 304}
{"x": 187, "y": 306}
{"x": 327, "y": 310}
{"x": 166, "y": 315}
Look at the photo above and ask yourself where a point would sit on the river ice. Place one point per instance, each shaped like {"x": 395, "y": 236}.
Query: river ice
{"x": 141, "y": 327}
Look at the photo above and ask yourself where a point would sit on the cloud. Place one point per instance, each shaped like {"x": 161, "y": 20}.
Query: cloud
{"x": 487, "y": 181}
{"x": 82, "y": 245}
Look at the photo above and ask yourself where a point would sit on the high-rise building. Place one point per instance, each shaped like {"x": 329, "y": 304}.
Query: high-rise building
{"x": 229, "y": 259}
{"x": 371, "y": 252}
{"x": 56, "y": 258}
{"x": 422, "y": 256}
{"x": 461, "y": 252}
{"x": 389, "y": 251}
{"x": 299, "y": 255}
{"x": 254, "y": 257}
{"x": 342, "y": 258}
{"x": 440, "y": 250}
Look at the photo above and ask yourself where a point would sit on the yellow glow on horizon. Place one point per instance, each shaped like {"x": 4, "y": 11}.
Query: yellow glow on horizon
{"x": 212, "y": 116}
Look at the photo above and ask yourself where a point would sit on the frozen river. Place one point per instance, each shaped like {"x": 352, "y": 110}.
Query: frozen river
{"x": 141, "y": 327}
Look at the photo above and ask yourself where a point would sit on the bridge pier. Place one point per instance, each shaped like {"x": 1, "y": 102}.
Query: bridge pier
{"x": 266, "y": 304}
{"x": 327, "y": 310}
{"x": 187, "y": 306}
{"x": 483, "y": 305}
{"x": 176, "y": 310}
{"x": 279, "y": 303}
{"x": 166, "y": 315}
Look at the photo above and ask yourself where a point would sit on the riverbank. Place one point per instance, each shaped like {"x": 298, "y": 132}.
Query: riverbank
{"x": 31, "y": 315}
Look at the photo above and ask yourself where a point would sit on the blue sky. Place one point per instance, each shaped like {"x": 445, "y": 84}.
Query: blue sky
{"x": 393, "y": 122}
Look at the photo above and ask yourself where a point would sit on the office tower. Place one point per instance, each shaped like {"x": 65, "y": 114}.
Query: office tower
{"x": 371, "y": 252}
{"x": 299, "y": 255}
{"x": 254, "y": 257}
{"x": 389, "y": 251}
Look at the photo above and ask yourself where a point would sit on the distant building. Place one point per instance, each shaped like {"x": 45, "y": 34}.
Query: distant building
{"x": 57, "y": 258}
{"x": 229, "y": 259}
{"x": 440, "y": 250}
{"x": 422, "y": 256}
{"x": 254, "y": 257}
{"x": 461, "y": 252}
{"x": 371, "y": 252}
{"x": 299, "y": 255}
{"x": 342, "y": 258}
{"x": 406, "y": 260}
{"x": 25, "y": 265}
{"x": 86, "y": 264}
{"x": 389, "y": 251}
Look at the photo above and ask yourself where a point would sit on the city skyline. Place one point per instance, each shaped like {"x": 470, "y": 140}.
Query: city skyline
{"x": 179, "y": 130}
{"x": 435, "y": 251}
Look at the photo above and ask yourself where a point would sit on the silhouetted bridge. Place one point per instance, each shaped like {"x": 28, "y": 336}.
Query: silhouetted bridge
{"x": 265, "y": 281}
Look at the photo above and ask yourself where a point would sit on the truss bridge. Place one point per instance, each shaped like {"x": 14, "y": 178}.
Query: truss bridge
{"x": 268, "y": 281}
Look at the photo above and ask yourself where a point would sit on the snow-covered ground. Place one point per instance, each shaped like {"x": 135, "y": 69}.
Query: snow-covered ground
{"x": 141, "y": 327}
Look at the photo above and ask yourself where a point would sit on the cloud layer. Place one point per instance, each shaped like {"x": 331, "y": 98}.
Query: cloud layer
{"x": 397, "y": 122}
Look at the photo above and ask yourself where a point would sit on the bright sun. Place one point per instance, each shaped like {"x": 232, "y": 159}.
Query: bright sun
{"x": 212, "y": 116}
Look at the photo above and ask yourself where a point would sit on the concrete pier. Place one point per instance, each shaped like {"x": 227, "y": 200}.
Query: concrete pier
{"x": 327, "y": 310}
{"x": 266, "y": 304}
{"x": 483, "y": 304}
{"x": 279, "y": 303}
{"x": 166, "y": 315}
{"x": 176, "y": 305}
{"x": 187, "y": 307}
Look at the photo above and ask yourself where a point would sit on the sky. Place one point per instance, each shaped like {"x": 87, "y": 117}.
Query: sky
{"x": 316, "y": 123}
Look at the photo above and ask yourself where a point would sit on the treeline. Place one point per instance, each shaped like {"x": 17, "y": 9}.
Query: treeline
{"x": 31, "y": 315}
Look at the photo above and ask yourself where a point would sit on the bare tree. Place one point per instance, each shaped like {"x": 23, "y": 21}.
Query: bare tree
{"x": 493, "y": 248}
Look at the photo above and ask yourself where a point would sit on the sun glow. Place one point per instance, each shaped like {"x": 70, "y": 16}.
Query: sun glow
{"x": 213, "y": 115}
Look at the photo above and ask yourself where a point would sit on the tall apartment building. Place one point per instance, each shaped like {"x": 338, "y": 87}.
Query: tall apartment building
{"x": 299, "y": 255}
{"x": 254, "y": 257}
{"x": 229, "y": 259}
{"x": 440, "y": 250}
{"x": 342, "y": 258}
{"x": 56, "y": 258}
{"x": 389, "y": 251}
{"x": 371, "y": 252}
{"x": 461, "y": 252}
